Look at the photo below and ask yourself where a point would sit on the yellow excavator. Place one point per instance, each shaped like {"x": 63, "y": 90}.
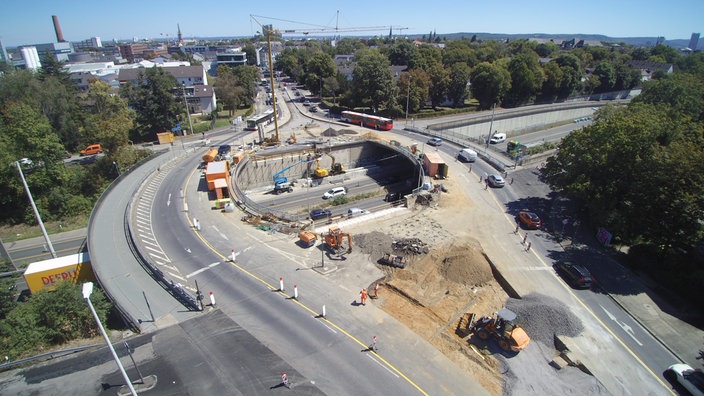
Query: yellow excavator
{"x": 336, "y": 168}
{"x": 319, "y": 172}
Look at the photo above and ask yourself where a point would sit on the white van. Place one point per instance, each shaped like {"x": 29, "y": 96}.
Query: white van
{"x": 356, "y": 211}
{"x": 467, "y": 155}
{"x": 498, "y": 138}
{"x": 335, "y": 192}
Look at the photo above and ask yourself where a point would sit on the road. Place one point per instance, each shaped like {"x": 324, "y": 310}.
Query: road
{"x": 640, "y": 357}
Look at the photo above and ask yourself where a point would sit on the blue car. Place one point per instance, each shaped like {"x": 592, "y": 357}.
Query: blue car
{"x": 317, "y": 214}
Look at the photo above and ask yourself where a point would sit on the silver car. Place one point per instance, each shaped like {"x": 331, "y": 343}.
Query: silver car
{"x": 495, "y": 180}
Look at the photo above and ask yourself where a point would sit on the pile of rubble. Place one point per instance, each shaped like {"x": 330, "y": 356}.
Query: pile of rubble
{"x": 410, "y": 246}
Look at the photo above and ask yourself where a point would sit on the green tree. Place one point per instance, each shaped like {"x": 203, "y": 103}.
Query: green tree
{"x": 571, "y": 74}
{"x": 526, "y": 78}
{"x": 606, "y": 75}
{"x": 683, "y": 92}
{"x": 414, "y": 88}
{"x": 664, "y": 53}
{"x": 439, "y": 82}
{"x": 426, "y": 57}
{"x": 372, "y": 81}
{"x": 251, "y": 54}
{"x": 457, "y": 91}
{"x": 545, "y": 50}
{"x": 402, "y": 52}
{"x": 152, "y": 98}
{"x": 228, "y": 92}
{"x": 320, "y": 66}
{"x": 490, "y": 83}
{"x": 109, "y": 120}
{"x": 638, "y": 170}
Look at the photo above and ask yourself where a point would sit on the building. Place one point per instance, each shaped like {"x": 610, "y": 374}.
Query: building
{"x": 694, "y": 41}
{"x": 193, "y": 86}
{"x": 30, "y": 58}
{"x": 648, "y": 68}
{"x": 91, "y": 43}
{"x": 231, "y": 59}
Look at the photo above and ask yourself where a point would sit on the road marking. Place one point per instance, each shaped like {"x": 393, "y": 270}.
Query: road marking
{"x": 303, "y": 306}
{"x": 194, "y": 273}
{"x": 177, "y": 276}
{"x": 331, "y": 329}
{"x": 168, "y": 201}
{"x": 221, "y": 234}
{"x": 623, "y": 325}
{"x": 384, "y": 367}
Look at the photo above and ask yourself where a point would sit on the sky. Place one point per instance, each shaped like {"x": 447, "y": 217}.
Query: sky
{"x": 29, "y": 22}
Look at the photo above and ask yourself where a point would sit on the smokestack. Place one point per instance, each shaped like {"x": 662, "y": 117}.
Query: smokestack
{"x": 57, "y": 29}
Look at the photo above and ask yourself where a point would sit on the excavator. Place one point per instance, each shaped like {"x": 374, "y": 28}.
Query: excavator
{"x": 336, "y": 168}
{"x": 334, "y": 241}
{"x": 319, "y": 172}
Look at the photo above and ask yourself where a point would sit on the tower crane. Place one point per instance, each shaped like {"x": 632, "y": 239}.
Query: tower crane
{"x": 270, "y": 32}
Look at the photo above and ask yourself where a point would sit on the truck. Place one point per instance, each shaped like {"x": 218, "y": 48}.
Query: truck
{"x": 46, "y": 274}
{"x": 281, "y": 183}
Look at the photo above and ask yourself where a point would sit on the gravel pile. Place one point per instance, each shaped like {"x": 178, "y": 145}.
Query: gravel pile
{"x": 410, "y": 246}
{"x": 374, "y": 243}
{"x": 543, "y": 317}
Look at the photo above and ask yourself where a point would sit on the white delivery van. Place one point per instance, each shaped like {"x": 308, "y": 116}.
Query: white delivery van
{"x": 467, "y": 155}
{"x": 498, "y": 138}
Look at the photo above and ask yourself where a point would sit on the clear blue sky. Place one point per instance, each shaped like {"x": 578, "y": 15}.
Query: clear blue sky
{"x": 29, "y": 21}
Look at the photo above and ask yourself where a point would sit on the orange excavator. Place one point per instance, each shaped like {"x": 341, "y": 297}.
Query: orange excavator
{"x": 334, "y": 241}
{"x": 504, "y": 328}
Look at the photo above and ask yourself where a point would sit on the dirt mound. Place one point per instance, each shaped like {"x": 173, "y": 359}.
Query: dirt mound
{"x": 543, "y": 317}
{"x": 331, "y": 132}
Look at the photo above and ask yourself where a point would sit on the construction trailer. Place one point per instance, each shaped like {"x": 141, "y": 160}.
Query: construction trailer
{"x": 165, "y": 137}
{"x": 434, "y": 165}
{"x": 217, "y": 174}
{"x": 210, "y": 155}
{"x": 45, "y": 275}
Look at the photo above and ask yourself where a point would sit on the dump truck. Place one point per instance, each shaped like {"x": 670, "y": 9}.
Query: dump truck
{"x": 393, "y": 260}
{"x": 504, "y": 328}
{"x": 307, "y": 238}
{"x": 334, "y": 241}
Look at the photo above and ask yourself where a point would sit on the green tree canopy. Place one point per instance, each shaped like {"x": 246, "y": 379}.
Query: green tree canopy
{"x": 152, "y": 98}
{"x": 372, "y": 81}
{"x": 526, "y": 78}
{"x": 490, "y": 83}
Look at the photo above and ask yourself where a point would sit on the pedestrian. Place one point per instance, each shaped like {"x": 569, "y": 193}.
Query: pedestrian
{"x": 363, "y": 296}
{"x": 524, "y": 238}
{"x": 480, "y": 178}
{"x": 517, "y": 226}
{"x": 528, "y": 247}
{"x": 511, "y": 182}
{"x": 284, "y": 380}
{"x": 376, "y": 291}
{"x": 197, "y": 225}
{"x": 195, "y": 221}
{"x": 486, "y": 184}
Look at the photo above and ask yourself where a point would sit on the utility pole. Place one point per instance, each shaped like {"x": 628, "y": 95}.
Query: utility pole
{"x": 36, "y": 211}
{"x": 188, "y": 111}
{"x": 408, "y": 96}
{"x": 491, "y": 126}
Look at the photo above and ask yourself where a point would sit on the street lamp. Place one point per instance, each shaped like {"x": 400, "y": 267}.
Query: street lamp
{"x": 36, "y": 211}
{"x": 87, "y": 290}
{"x": 408, "y": 96}
{"x": 188, "y": 112}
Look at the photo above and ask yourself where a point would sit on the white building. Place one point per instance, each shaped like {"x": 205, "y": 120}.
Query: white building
{"x": 30, "y": 56}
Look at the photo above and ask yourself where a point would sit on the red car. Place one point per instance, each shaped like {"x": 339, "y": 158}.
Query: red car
{"x": 529, "y": 220}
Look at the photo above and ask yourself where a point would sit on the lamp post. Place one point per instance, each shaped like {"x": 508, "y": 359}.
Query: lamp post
{"x": 408, "y": 96}
{"x": 491, "y": 126}
{"x": 87, "y": 290}
{"x": 188, "y": 112}
{"x": 36, "y": 211}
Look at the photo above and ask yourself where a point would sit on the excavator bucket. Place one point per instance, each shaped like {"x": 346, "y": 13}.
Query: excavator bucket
{"x": 519, "y": 339}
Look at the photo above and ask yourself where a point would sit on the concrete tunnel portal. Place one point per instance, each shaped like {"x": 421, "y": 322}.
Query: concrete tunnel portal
{"x": 384, "y": 162}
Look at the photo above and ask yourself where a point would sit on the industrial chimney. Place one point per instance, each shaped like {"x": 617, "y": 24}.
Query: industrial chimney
{"x": 57, "y": 29}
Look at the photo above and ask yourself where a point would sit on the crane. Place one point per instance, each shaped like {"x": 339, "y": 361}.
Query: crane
{"x": 281, "y": 182}
{"x": 269, "y": 33}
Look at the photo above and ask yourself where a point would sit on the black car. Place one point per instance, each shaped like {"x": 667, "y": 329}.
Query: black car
{"x": 391, "y": 197}
{"x": 224, "y": 149}
{"x": 575, "y": 274}
{"x": 317, "y": 214}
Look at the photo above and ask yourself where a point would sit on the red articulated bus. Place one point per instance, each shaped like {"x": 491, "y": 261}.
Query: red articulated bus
{"x": 367, "y": 120}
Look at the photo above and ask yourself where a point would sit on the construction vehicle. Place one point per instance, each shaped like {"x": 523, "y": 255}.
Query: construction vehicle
{"x": 307, "y": 238}
{"x": 504, "y": 328}
{"x": 336, "y": 168}
{"x": 320, "y": 172}
{"x": 210, "y": 155}
{"x": 281, "y": 183}
{"x": 334, "y": 241}
{"x": 393, "y": 260}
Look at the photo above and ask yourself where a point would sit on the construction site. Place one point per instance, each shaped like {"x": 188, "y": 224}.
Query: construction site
{"x": 437, "y": 278}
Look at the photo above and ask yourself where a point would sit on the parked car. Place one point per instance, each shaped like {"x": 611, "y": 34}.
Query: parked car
{"x": 335, "y": 192}
{"x": 575, "y": 274}
{"x": 435, "y": 141}
{"x": 317, "y": 214}
{"x": 224, "y": 149}
{"x": 351, "y": 212}
{"x": 306, "y": 102}
{"x": 495, "y": 180}
{"x": 684, "y": 375}
{"x": 391, "y": 197}
{"x": 314, "y": 109}
{"x": 529, "y": 219}
{"x": 91, "y": 150}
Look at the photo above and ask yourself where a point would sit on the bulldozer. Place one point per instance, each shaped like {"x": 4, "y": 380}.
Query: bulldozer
{"x": 334, "y": 241}
{"x": 510, "y": 335}
{"x": 393, "y": 260}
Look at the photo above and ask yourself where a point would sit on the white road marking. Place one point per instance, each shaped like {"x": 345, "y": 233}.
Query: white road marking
{"x": 177, "y": 276}
{"x": 221, "y": 234}
{"x": 194, "y": 273}
{"x": 330, "y": 328}
{"x": 382, "y": 365}
{"x": 168, "y": 201}
{"x": 623, "y": 325}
